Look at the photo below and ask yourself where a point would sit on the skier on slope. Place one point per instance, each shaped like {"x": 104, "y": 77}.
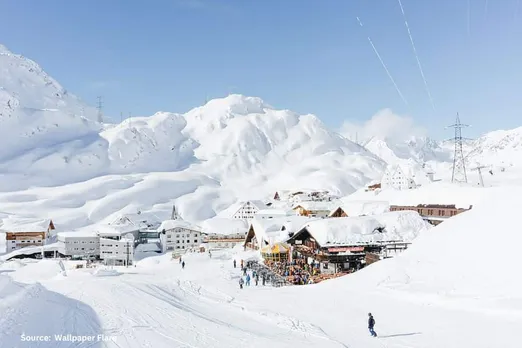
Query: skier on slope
{"x": 371, "y": 324}
{"x": 234, "y": 263}
{"x": 248, "y": 280}
{"x": 241, "y": 281}
{"x": 183, "y": 265}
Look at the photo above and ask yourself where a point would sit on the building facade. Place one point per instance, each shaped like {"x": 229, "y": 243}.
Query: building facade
{"x": 117, "y": 251}
{"x": 313, "y": 209}
{"x": 396, "y": 178}
{"x": 27, "y": 233}
{"x": 433, "y": 213}
{"x": 180, "y": 235}
{"x": 247, "y": 210}
{"x": 78, "y": 244}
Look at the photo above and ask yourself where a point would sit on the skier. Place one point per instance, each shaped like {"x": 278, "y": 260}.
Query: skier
{"x": 209, "y": 254}
{"x": 244, "y": 271}
{"x": 183, "y": 265}
{"x": 257, "y": 279}
{"x": 248, "y": 280}
{"x": 234, "y": 263}
{"x": 241, "y": 281}
{"x": 371, "y": 324}
{"x": 241, "y": 264}
{"x": 264, "y": 280}
{"x": 180, "y": 259}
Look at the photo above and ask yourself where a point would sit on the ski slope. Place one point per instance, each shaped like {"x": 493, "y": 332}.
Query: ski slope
{"x": 444, "y": 291}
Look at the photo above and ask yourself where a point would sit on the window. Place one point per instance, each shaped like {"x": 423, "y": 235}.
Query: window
{"x": 188, "y": 240}
{"x": 195, "y": 240}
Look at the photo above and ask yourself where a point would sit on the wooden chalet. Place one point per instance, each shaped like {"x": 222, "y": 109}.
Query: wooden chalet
{"x": 433, "y": 213}
{"x": 338, "y": 212}
{"x": 341, "y": 245}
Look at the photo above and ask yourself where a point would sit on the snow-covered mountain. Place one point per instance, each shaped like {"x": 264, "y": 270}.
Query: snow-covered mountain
{"x": 497, "y": 150}
{"x": 59, "y": 162}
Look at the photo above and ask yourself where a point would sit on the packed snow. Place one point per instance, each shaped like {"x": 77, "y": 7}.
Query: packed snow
{"x": 444, "y": 291}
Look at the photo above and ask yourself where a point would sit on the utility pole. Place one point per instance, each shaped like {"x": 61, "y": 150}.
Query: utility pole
{"x": 100, "y": 107}
{"x": 479, "y": 169}
{"x": 459, "y": 167}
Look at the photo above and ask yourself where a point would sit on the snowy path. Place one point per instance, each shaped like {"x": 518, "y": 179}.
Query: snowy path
{"x": 157, "y": 304}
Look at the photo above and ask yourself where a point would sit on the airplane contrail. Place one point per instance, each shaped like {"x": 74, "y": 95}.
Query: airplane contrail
{"x": 384, "y": 66}
{"x": 416, "y": 56}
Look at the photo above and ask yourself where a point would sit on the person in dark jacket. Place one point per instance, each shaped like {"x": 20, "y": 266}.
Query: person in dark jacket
{"x": 183, "y": 265}
{"x": 371, "y": 324}
{"x": 234, "y": 263}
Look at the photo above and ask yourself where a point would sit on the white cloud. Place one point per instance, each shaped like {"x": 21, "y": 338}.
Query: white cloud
{"x": 385, "y": 125}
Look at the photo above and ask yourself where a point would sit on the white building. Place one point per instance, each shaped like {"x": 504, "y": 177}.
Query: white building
{"x": 116, "y": 251}
{"x": 181, "y": 235}
{"x": 243, "y": 210}
{"x": 79, "y": 244}
{"x": 397, "y": 178}
{"x": 26, "y": 232}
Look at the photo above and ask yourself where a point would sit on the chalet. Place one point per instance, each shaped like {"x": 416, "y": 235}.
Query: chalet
{"x": 433, "y": 213}
{"x": 342, "y": 244}
{"x": 221, "y": 233}
{"x": 313, "y": 209}
{"x": 263, "y": 232}
{"x": 22, "y": 233}
{"x": 359, "y": 208}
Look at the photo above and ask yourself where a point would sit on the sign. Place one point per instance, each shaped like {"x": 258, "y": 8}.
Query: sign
{"x": 342, "y": 249}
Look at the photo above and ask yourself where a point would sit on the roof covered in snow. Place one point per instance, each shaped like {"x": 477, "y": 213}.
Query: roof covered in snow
{"x": 315, "y": 205}
{"x": 234, "y": 208}
{"x": 16, "y": 225}
{"x": 392, "y": 226}
{"x": 360, "y": 208}
{"x": 84, "y": 232}
{"x": 224, "y": 226}
{"x": 278, "y": 229}
{"x": 178, "y": 223}
{"x": 273, "y": 212}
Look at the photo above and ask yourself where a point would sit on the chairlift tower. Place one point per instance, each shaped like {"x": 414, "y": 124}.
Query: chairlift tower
{"x": 459, "y": 166}
{"x": 479, "y": 169}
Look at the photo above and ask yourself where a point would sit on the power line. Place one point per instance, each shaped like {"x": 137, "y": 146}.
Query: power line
{"x": 459, "y": 166}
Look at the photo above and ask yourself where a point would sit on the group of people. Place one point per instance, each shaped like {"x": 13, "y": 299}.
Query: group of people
{"x": 247, "y": 276}
{"x": 297, "y": 272}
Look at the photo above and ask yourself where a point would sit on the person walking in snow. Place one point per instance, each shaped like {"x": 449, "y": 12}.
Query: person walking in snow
{"x": 209, "y": 254}
{"x": 257, "y": 279}
{"x": 183, "y": 265}
{"x": 241, "y": 264}
{"x": 248, "y": 280}
{"x": 244, "y": 271}
{"x": 371, "y": 324}
{"x": 180, "y": 259}
{"x": 241, "y": 281}
{"x": 264, "y": 280}
{"x": 234, "y": 263}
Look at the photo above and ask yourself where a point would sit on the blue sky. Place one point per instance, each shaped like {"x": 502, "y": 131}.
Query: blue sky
{"x": 306, "y": 55}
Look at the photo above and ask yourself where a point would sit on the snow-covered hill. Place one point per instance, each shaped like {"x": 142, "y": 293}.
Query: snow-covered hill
{"x": 61, "y": 164}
